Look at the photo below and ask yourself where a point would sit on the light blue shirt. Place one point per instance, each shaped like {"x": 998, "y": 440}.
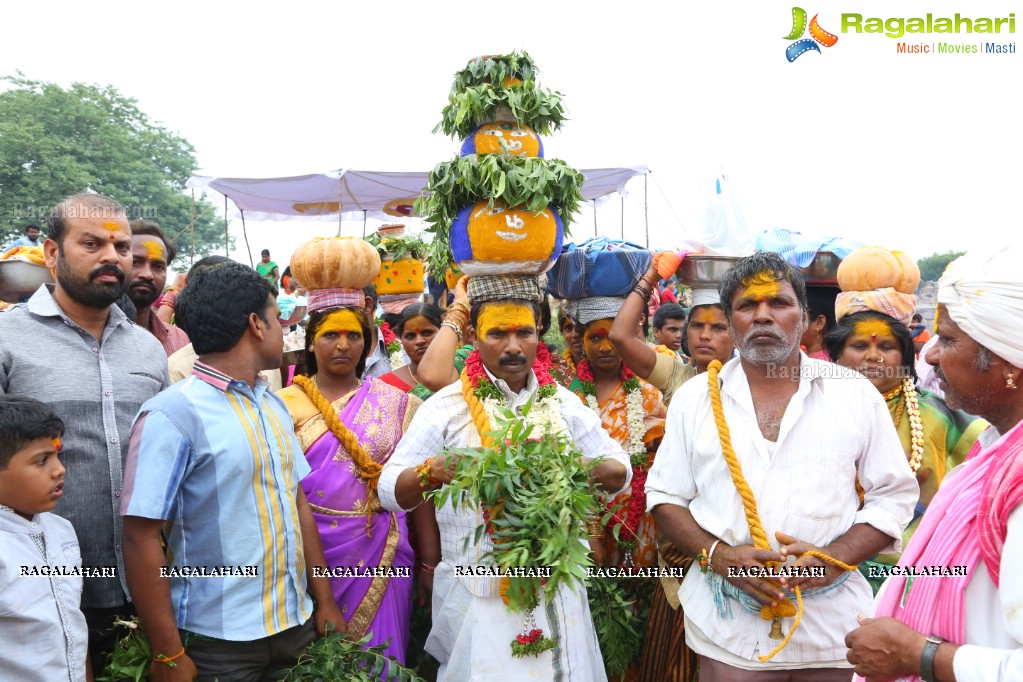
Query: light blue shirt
{"x": 25, "y": 241}
{"x": 220, "y": 462}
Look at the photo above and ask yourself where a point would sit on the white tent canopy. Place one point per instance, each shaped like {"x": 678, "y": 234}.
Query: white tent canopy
{"x": 356, "y": 194}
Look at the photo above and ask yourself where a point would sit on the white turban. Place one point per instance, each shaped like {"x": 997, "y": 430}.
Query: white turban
{"x": 983, "y": 292}
{"x": 706, "y": 296}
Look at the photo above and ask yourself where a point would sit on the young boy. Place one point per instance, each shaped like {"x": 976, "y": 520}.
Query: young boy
{"x": 41, "y": 626}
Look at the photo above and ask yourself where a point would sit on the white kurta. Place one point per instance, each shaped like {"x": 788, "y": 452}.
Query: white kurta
{"x": 835, "y": 428}
{"x": 472, "y": 628}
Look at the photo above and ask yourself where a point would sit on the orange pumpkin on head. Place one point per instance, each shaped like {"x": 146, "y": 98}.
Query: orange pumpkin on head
{"x": 875, "y": 267}
{"x": 498, "y": 240}
{"x": 335, "y": 262}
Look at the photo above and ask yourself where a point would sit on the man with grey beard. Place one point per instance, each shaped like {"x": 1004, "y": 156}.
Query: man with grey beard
{"x": 72, "y": 348}
{"x": 763, "y": 463}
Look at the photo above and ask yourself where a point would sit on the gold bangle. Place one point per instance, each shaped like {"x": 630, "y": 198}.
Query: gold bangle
{"x": 594, "y": 529}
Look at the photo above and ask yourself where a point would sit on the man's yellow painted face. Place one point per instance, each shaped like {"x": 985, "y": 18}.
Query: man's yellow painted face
{"x": 507, "y": 317}
{"x": 507, "y": 338}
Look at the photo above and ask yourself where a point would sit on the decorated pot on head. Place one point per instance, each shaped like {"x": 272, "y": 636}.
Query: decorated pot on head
{"x": 452, "y": 275}
{"x": 491, "y": 240}
{"x": 499, "y": 208}
{"x": 334, "y": 271}
{"x": 874, "y": 278}
{"x": 400, "y": 282}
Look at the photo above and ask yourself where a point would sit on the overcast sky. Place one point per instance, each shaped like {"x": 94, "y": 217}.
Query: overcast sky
{"x": 916, "y": 152}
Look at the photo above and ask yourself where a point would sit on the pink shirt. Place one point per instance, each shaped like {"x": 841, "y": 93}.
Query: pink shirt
{"x": 170, "y": 337}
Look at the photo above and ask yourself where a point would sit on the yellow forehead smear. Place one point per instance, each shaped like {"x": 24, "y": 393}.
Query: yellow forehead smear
{"x": 504, "y": 316}
{"x": 707, "y": 317}
{"x": 873, "y": 327}
{"x": 342, "y": 321}
{"x": 761, "y": 285}
{"x": 111, "y": 226}
{"x": 153, "y": 249}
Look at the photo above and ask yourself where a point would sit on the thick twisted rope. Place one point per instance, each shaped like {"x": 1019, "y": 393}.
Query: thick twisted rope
{"x": 476, "y": 410}
{"x": 369, "y": 469}
{"x": 785, "y": 608}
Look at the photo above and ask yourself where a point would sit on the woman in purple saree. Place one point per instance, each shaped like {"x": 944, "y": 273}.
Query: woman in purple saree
{"x": 348, "y": 428}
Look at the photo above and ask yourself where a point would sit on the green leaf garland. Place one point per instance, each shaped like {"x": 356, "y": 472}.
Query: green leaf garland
{"x": 620, "y": 608}
{"x": 397, "y": 248}
{"x": 539, "y": 492}
{"x": 530, "y": 105}
{"x": 495, "y": 69}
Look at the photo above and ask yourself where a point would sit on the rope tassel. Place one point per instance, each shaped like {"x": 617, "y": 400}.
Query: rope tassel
{"x": 784, "y": 608}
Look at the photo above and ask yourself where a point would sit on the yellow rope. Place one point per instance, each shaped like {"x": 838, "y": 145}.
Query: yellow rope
{"x": 482, "y": 423}
{"x": 479, "y": 415}
{"x": 369, "y": 469}
{"x": 785, "y": 608}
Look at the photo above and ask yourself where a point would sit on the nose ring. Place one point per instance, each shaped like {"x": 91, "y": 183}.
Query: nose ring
{"x": 881, "y": 359}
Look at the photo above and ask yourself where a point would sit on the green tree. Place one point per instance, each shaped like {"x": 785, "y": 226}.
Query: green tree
{"x": 55, "y": 142}
{"x": 931, "y": 267}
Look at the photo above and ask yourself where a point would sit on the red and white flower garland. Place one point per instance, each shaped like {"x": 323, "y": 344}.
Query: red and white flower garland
{"x": 636, "y": 424}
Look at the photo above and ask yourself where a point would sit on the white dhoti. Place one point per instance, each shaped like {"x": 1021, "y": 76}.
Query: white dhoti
{"x": 472, "y": 635}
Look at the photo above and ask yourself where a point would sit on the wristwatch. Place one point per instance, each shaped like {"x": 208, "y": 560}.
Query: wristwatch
{"x": 927, "y": 658}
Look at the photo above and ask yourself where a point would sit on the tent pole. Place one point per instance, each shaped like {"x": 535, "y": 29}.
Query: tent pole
{"x": 227, "y": 240}
{"x": 594, "y": 217}
{"x": 191, "y": 257}
{"x": 364, "y": 224}
{"x": 340, "y": 193}
{"x": 646, "y": 214}
{"x": 246, "y": 234}
{"x": 623, "y": 216}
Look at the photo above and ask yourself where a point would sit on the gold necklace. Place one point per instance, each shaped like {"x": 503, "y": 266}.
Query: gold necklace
{"x": 413, "y": 375}
{"x": 892, "y": 393}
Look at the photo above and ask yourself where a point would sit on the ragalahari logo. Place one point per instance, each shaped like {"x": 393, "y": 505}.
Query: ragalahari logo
{"x": 817, "y": 35}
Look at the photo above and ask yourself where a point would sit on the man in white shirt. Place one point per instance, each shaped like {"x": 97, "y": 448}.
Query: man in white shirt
{"x": 803, "y": 431}
{"x": 472, "y": 628}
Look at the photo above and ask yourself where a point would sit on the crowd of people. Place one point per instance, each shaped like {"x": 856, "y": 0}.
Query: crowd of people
{"x": 776, "y": 448}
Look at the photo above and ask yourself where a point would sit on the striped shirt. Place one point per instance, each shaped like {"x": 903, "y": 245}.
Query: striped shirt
{"x": 220, "y": 461}
{"x": 834, "y": 428}
{"x": 97, "y": 388}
